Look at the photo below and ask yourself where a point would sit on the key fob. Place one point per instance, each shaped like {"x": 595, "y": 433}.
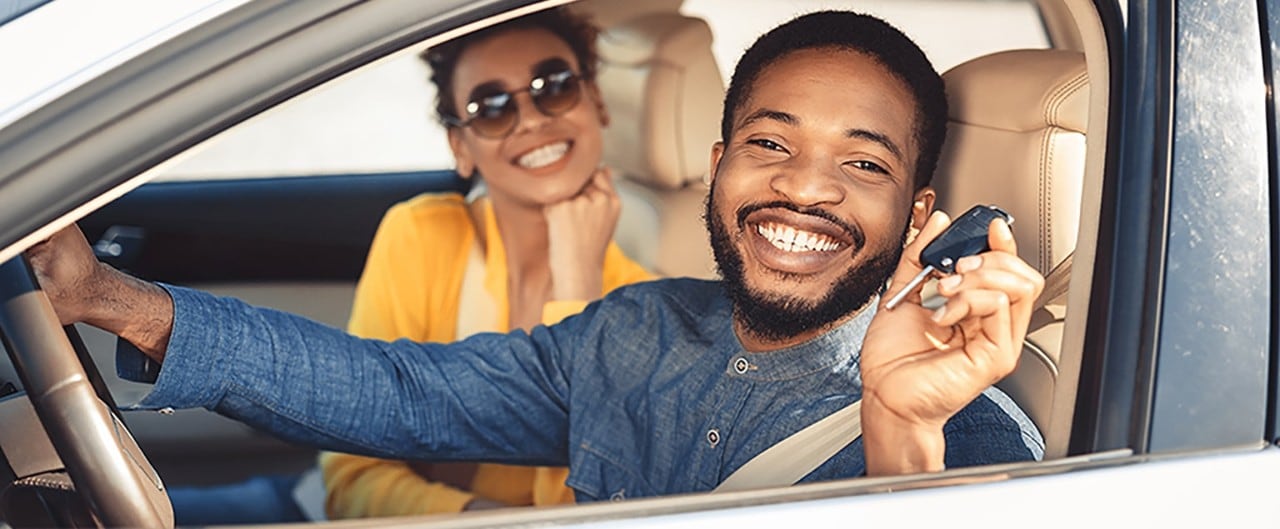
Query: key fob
{"x": 967, "y": 235}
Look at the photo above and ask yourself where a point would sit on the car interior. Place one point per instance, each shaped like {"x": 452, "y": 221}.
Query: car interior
{"x": 1027, "y": 131}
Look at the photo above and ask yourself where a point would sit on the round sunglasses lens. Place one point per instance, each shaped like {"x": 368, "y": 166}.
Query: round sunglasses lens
{"x": 558, "y": 96}
{"x": 494, "y": 119}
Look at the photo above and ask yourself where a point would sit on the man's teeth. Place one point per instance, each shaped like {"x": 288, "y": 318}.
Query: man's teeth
{"x": 544, "y": 155}
{"x": 789, "y": 239}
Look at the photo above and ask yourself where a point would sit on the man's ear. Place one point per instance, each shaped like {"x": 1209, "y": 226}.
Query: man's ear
{"x": 921, "y": 207}
{"x": 461, "y": 154}
{"x": 717, "y": 150}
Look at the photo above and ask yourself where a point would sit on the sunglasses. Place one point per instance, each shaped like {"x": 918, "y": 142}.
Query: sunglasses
{"x": 495, "y": 115}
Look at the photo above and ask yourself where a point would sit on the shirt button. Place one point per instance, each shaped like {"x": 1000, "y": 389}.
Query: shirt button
{"x": 741, "y": 365}
{"x": 713, "y": 437}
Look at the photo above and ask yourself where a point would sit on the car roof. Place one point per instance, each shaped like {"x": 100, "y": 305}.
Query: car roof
{"x": 53, "y": 64}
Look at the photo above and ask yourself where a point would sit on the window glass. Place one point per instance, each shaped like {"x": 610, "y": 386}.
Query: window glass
{"x": 380, "y": 118}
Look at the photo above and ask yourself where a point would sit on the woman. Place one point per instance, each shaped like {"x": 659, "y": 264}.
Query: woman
{"x": 522, "y": 109}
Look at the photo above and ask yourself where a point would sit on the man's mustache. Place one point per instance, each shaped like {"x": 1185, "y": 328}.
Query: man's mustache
{"x": 854, "y": 233}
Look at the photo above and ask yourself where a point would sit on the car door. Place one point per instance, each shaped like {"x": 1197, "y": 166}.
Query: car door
{"x": 1176, "y": 402}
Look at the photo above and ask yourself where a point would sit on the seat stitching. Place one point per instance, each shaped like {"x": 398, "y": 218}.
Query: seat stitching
{"x": 1046, "y": 250}
{"x": 1058, "y": 98}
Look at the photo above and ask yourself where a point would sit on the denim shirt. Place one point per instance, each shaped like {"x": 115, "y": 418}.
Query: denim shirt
{"x": 646, "y": 392}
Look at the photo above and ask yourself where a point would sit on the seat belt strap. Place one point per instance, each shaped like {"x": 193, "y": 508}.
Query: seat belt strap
{"x": 793, "y": 458}
{"x": 1055, "y": 284}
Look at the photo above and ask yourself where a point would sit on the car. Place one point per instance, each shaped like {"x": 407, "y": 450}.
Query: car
{"x": 249, "y": 148}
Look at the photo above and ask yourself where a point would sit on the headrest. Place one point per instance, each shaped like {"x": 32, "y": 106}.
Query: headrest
{"x": 1021, "y": 90}
{"x": 1016, "y": 139}
{"x": 664, "y": 93}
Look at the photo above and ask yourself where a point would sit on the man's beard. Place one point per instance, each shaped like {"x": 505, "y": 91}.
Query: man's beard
{"x": 777, "y": 317}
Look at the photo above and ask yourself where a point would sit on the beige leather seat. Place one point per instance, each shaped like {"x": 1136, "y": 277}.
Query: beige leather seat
{"x": 664, "y": 93}
{"x": 1016, "y": 138}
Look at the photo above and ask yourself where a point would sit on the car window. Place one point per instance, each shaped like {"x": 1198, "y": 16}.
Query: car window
{"x": 238, "y": 214}
{"x": 380, "y": 118}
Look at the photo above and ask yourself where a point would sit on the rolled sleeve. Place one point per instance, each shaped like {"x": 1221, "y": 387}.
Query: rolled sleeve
{"x": 191, "y": 377}
{"x": 493, "y": 397}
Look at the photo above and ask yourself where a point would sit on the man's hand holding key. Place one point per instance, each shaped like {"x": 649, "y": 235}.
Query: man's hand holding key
{"x": 921, "y": 366}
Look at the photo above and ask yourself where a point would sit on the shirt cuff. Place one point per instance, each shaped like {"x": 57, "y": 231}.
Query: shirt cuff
{"x": 194, "y": 370}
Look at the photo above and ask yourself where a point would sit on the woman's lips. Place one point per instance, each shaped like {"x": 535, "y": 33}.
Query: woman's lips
{"x": 543, "y": 156}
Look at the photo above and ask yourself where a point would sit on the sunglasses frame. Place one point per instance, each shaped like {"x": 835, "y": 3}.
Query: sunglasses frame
{"x": 569, "y": 77}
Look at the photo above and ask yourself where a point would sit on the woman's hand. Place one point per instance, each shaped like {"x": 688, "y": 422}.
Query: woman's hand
{"x": 578, "y": 233}
{"x": 920, "y": 367}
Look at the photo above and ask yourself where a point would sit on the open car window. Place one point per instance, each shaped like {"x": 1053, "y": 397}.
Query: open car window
{"x": 271, "y": 192}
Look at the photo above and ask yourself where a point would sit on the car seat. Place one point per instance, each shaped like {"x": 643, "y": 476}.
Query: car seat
{"x": 664, "y": 93}
{"x": 1016, "y": 138}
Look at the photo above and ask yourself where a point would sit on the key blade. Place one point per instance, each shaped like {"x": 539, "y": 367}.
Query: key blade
{"x": 911, "y": 285}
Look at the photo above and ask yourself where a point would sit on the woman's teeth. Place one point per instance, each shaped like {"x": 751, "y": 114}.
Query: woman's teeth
{"x": 789, "y": 239}
{"x": 544, "y": 155}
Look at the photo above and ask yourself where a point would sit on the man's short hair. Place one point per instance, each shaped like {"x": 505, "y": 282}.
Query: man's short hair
{"x": 857, "y": 32}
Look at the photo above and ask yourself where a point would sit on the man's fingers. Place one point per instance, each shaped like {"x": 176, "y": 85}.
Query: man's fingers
{"x": 933, "y": 227}
{"x": 1000, "y": 237}
{"x": 984, "y": 318}
{"x": 971, "y": 303}
{"x": 1017, "y": 287}
{"x": 909, "y": 265}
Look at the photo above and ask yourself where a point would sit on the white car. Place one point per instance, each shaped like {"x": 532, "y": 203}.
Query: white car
{"x": 249, "y": 148}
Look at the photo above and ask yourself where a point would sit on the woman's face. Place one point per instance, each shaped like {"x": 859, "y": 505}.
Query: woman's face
{"x": 544, "y": 159}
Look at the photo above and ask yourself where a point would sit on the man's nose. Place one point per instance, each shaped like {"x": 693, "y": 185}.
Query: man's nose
{"x": 809, "y": 180}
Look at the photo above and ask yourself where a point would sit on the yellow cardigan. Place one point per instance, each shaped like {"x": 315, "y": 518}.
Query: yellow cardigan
{"x": 410, "y": 289}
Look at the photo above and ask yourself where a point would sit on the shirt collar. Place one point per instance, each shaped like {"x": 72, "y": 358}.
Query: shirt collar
{"x": 839, "y": 346}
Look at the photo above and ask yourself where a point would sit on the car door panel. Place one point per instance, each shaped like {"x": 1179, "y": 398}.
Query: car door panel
{"x": 295, "y": 244}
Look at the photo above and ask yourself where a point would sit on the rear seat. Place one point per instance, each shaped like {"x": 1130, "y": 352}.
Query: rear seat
{"x": 664, "y": 93}
{"x": 1016, "y": 138}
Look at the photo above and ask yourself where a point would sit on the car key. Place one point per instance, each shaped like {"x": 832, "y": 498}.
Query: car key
{"x": 965, "y": 236}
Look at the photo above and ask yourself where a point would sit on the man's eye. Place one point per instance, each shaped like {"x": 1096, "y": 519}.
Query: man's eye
{"x": 865, "y": 165}
{"x": 768, "y": 144}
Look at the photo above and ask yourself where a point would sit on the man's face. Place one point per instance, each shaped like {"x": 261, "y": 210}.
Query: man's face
{"x": 813, "y": 193}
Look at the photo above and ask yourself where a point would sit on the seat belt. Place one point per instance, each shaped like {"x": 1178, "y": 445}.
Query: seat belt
{"x": 1055, "y": 284}
{"x": 793, "y": 458}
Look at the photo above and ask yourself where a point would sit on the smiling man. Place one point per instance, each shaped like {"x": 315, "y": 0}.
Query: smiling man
{"x": 832, "y": 128}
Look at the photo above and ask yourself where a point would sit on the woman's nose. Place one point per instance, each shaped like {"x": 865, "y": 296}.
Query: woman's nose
{"x": 529, "y": 116}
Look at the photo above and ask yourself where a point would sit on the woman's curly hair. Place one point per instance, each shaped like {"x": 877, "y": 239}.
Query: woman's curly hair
{"x": 575, "y": 30}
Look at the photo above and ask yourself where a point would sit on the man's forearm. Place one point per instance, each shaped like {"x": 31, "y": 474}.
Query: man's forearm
{"x": 138, "y": 311}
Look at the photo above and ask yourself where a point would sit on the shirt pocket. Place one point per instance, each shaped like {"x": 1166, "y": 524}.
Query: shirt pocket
{"x": 596, "y": 475}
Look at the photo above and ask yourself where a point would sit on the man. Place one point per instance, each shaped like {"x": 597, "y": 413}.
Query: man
{"x": 832, "y": 127}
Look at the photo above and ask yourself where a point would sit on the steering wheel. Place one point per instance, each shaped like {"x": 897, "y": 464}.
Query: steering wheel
{"x": 102, "y": 458}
